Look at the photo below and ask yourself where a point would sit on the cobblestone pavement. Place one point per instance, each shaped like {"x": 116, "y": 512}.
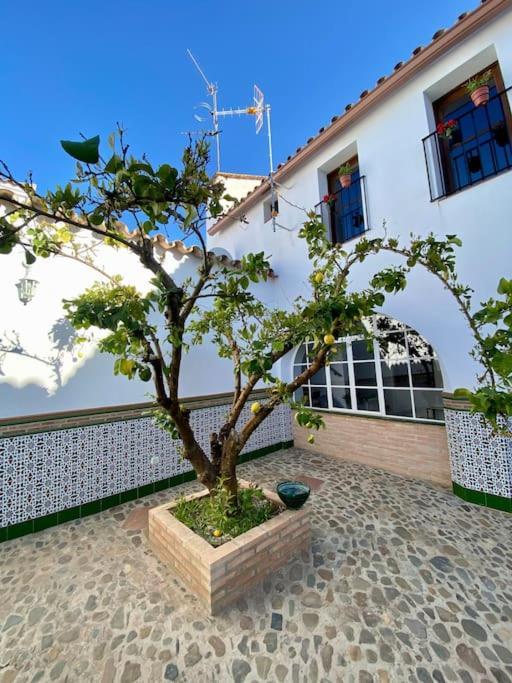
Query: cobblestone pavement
{"x": 404, "y": 582}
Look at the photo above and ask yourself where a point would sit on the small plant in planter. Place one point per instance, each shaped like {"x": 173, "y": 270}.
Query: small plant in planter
{"x": 345, "y": 175}
{"x": 214, "y": 519}
{"x": 478, "y": 88}
{"x": 447, "y": 129}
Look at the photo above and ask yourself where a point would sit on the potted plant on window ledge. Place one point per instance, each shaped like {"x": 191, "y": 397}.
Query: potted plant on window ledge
{"x": 478, "y": 88}
{"x": 345, "y": 175}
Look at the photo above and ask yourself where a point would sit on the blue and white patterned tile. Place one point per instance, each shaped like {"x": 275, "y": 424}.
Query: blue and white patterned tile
{"x": 479, "y": 459}
{"x": 51, "y": 471}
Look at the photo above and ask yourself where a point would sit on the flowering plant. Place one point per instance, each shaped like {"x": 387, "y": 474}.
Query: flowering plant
{"x": 329, "y": 199}
{"x": 446, "y": 129}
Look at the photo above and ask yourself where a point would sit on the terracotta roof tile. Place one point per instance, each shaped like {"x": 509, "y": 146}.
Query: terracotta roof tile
{"x": 177, "y": 247}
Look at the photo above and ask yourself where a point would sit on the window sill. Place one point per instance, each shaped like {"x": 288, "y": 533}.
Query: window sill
{"x": 378, "y": 416}
{"x": 352, "y": 239}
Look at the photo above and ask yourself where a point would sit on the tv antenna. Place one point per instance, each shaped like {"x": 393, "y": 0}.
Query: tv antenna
{"x": 259, "y": 109}
{"x": 212, "y": 89}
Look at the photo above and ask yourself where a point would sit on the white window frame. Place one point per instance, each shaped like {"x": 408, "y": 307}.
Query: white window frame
{"x": 379, "y": 387}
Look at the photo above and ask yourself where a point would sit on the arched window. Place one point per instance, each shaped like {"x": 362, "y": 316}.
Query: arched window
{"x": 397, "y": 373}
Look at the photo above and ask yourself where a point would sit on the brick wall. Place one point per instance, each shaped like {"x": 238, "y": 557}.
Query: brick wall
{"x": 412, "y": 449}
{"x": 219, "y": 576}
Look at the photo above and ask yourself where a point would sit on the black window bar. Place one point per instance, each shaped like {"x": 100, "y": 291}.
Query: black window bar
{"x": 479, "y": 147}
{"x": 346, "y": 214}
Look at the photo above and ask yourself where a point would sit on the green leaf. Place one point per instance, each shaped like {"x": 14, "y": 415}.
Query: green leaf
{"x": 96, "y": 218}
{"x": 86, "y": 151}
{"x": 114, "y": 164}
{"x": 504, "y": 286}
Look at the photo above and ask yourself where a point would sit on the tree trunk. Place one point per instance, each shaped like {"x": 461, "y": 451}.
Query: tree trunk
{"x": 228, "y": 463}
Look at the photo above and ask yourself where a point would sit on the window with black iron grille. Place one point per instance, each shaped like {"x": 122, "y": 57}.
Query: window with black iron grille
{"x": 471, "y": 143}
{"x": 343, "y": 209}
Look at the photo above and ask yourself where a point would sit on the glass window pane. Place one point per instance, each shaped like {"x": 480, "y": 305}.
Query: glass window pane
{"x": 398, "y": 402}
{"x": 395, "y": 374}
{"x": 318, "y": 377}
{"x": 302, "y": 395}
{"x": 426, "y": 373}
{"x": 319, "y": 397}
{"x": 364, "y": 374}
{"x": 418, "y": 346}
{"x": 339, "y": 354}
{"x": 341, "y": 398}
{"x": 429, "y": 405}
{"x": 301, "y": 356}
{"x": 339, "y": 374}
{"x": 367, "y": 399}
{"x": 392, "y": 346}
{"x": 360, "y": 350}
{"x": 297, "y": 369}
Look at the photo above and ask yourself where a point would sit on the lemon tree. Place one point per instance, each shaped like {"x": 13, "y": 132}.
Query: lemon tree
{"x": 148, "y": 333}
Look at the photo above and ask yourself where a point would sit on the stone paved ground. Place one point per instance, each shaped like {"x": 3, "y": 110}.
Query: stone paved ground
{"x": 404, "y": 583}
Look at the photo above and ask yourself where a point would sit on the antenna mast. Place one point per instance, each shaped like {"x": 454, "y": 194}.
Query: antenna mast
{"x": 212, "y": 89}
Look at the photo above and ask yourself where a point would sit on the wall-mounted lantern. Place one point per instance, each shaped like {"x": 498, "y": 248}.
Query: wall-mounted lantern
{"x": 26, "y": 288}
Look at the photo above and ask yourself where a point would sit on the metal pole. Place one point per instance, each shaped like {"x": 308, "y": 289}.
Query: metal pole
{"x": 271, "y": 162}
{"x": 216, "y": 127}
{"x": 269, "y": 133}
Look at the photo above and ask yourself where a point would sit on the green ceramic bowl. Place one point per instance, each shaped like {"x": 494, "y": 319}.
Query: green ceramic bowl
{"x": 293, "y": 493}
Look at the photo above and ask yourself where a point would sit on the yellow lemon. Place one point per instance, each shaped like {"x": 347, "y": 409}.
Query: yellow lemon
{"x": 318, "y": 277}
{"x": 311, "y": 438}
{"x": 217, "y": 533}
{"x": 329, "y": 339}
{"x": 255, "y": 407}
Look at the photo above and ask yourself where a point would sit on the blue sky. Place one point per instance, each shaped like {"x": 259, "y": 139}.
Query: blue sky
{"x": 70, "y": 67}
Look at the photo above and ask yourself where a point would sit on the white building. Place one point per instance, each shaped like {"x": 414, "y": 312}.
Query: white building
{"x": 415, "y": 180}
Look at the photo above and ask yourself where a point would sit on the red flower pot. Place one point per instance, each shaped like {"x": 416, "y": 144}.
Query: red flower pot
{"x": 345, "y": 180}
{"x": 480, "y": 96}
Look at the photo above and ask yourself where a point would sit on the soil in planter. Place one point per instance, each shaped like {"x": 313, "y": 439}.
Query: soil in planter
{"x": 207, "y": 516}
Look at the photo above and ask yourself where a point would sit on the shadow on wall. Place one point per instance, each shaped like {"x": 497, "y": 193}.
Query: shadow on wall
{"x": 59, "y": 353}
{"x": 94, "y": 387}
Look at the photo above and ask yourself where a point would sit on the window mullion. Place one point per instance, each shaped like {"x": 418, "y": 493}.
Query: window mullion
{"x": 409, "y": 372}
{"x": 328, "y": 386}
{"x": 378, "y": 375}
{"x": 351, "y": 375}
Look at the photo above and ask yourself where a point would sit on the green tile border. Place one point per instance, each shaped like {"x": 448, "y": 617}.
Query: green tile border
{"x": 482, "y": 498}
{"x": 9, "y": 533}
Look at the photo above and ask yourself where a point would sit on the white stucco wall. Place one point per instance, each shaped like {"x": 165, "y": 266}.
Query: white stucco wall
{"x": 29, "y": 383}
{"x": 388, "y": 141}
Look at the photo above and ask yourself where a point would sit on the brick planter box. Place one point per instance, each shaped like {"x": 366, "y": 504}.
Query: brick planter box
{"x": 220, "y": 576}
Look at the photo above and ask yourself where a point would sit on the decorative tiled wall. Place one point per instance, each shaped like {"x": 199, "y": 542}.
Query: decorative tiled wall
{"x": 480, "y": 461}
{"x": 51, "y": 471}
